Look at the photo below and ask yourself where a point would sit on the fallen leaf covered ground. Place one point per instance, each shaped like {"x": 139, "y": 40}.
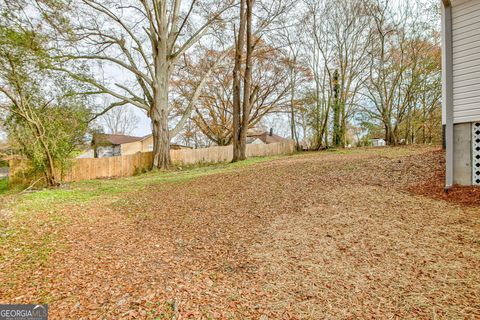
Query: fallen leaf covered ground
{"x": 327, "y": 235}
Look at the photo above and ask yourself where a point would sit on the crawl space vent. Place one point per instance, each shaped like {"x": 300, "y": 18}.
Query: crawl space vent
{"x": 476, "y": 153}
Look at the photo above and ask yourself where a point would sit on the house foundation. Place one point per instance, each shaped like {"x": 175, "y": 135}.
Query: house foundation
{"x": 462, "y": 154}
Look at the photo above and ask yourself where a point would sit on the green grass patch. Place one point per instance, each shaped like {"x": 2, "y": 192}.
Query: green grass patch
{"x": 3, "y": 185}
{"x": 90, "y": 190}
{"x": 112, "y": 187}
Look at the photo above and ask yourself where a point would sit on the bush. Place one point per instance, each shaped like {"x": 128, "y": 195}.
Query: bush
{"x": 49, "y": 143}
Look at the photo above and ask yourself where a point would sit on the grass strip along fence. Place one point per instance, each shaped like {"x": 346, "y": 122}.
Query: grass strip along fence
{"x": 129, "y": 165}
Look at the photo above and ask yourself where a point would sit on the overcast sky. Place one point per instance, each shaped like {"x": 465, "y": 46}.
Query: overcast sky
{"x": 144, "y": 127}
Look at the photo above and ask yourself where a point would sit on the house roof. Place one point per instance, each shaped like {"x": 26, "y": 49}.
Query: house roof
{"x": 145, "y": 137}
{"x": 113, "y": 139}
{"x": 265, "y": 137}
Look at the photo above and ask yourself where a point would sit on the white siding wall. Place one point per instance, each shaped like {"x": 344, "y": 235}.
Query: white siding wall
{"x": 466, "y": 60}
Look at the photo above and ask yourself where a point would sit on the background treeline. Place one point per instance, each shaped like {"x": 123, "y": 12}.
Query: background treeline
{"x": 324, "y": 72}
{"x": 334, "y": 73}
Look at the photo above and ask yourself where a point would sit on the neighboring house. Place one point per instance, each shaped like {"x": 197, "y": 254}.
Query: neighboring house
{"x": 3, "y": 172}
{"x": 255, "y": 137}
{"x": 378, "y": 142}
{"x": 142, "y": 144}
{"x": 461, "y": 90}
{"x": 111, "y": 145}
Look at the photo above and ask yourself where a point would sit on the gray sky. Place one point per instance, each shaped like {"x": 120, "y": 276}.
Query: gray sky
{"x": 144, "y": 126}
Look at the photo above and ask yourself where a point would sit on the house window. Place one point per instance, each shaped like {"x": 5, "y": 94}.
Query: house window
{"x": 150, "y": 147}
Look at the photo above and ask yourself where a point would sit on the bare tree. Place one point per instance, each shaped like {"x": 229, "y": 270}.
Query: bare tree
{"x": 396, "y": 75}
{"x": 191, "y": 136}
{"x": 44, "y": 123}
{"x": 297, "y": 65}
{"x": 421, "y": 91}
{"x": 246, "y": 40}
{"x": 242, "y": 109}
{"x": 120, "y": 120}
{"x": 144, "y": 39}
{"x": 341, "y": 34}
{"x": 213, "y": 110}
{"x": 316, "y": 40}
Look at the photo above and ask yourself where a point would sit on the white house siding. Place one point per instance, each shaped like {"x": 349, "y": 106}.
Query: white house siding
{"x": 108, "y": 151}
{"x": 466, "y": 60}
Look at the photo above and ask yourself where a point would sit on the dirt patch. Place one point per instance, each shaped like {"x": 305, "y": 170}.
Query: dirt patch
{"x": 434, "y": 186}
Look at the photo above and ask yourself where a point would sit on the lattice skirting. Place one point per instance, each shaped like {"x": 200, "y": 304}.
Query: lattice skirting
{"x": 476, "y": 153}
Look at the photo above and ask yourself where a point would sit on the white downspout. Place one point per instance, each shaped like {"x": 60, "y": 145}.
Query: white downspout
{"x": 447, "y": 88}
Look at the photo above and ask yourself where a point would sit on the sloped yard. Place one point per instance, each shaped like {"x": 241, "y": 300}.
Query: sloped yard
{"x": 336, "y": 235}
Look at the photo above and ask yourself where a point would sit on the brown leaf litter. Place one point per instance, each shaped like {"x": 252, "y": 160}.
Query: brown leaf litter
{"x": 366, "y": 235}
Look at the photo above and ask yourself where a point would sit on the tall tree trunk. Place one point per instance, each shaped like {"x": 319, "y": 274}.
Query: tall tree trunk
{"x": 238, "y": 146}
{"x": 343, "y": 125}
{"x": 318, "y": 128}
{"x": 424, "y": 125}
{"x": 293, "y": 129}
{"x": 161, "y": 139}
{"x": 325, "y": 130}
{"x": 390, "y": 135}
{"x": 159, "y": 109}
{"x": 248, "y": 93}
{"x": 387, "y": 133}
{"x": 49, "y": 170}
{"x": 337, "y": 139}
{"x": 159, "y": 117}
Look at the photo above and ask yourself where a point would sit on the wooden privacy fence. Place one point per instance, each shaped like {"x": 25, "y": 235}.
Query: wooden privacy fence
{"x": 129, "y": 165}
{"x": 223, "y": 154}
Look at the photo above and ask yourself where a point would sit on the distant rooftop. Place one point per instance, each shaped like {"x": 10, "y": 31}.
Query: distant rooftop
{"x": 114, "y": 139}
{"x": 265, "y": 137}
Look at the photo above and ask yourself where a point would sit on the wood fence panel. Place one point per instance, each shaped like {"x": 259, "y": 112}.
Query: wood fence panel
{"x": 94, "y": 168}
